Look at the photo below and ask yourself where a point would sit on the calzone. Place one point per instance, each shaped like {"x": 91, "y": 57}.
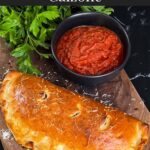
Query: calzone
{"x": 43, "y": 116}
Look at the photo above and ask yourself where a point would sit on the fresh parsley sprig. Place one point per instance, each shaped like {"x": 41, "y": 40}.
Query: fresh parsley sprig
{"x": 26, "y": 28}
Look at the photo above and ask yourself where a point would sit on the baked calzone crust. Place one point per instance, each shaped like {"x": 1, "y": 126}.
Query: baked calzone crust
{"x": 43, "y": 116}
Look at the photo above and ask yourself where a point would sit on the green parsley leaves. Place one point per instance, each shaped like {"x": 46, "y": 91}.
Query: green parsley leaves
{"x": 26, "y": 28}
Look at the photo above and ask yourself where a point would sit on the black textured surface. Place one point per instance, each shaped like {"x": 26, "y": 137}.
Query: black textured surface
{"x": 1, "y": 146}
{"x": 136, "y": 20}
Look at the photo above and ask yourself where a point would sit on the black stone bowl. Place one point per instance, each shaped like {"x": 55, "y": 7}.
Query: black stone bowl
{"x": 97, "y": 19}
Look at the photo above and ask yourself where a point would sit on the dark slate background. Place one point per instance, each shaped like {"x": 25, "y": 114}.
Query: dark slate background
{"x": 136, "y": 20}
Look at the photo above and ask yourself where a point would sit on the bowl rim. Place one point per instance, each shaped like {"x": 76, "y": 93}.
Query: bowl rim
{"x": 117, "y": 69}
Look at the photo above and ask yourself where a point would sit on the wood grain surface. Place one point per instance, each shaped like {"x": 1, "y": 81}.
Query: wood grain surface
{"x": 119, "y": 92}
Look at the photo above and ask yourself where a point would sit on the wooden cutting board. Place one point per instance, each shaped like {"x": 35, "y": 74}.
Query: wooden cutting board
{"x": 119, "y": 92}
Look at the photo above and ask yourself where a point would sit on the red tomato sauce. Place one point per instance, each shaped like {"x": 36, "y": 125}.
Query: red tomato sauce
{"x": 90, "y": 50}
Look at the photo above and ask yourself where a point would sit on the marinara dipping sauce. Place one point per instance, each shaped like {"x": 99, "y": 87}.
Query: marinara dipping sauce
{"x": 90, "y": 50}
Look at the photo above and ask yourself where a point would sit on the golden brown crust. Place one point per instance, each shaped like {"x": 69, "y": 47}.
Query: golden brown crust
{"x": 43, "y": 116}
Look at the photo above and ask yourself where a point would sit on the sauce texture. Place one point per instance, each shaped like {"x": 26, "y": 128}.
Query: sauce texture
{"x": 90, "y": 50}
